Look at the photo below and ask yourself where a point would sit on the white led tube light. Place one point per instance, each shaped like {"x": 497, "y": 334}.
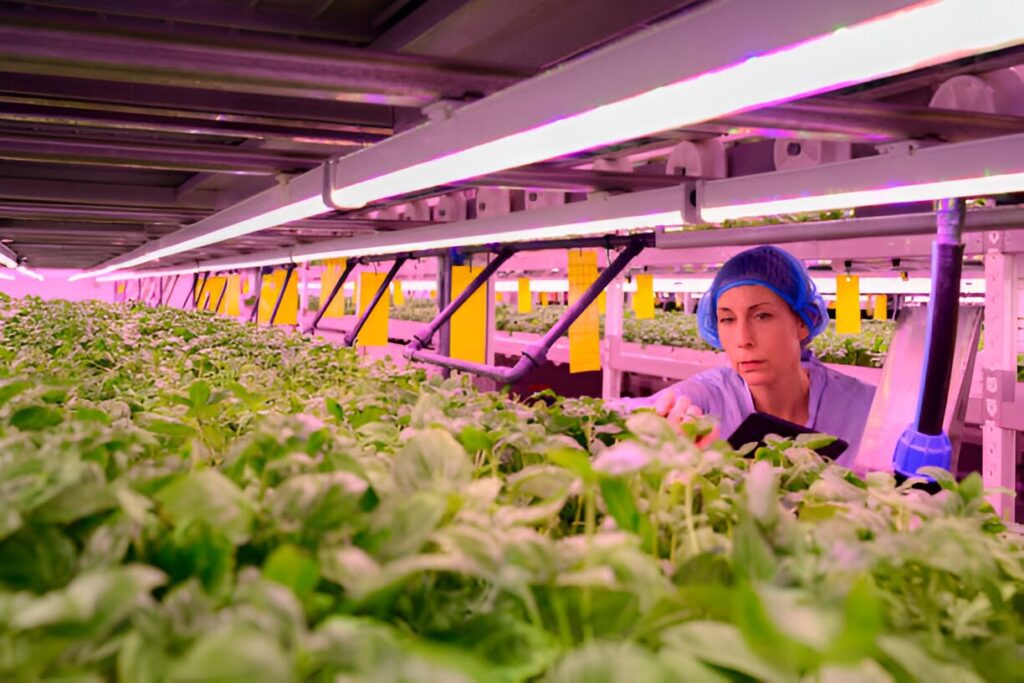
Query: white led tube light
{"x": 598, "y": 216}
{"x": 969, "y": 169}
{"x": 722, "y": 58}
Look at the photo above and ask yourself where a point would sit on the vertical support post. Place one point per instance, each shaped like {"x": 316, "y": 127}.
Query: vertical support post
{"x": 444, "y": 297}
{"x": 485, "y": 383}
{"x": 615, "y": 304}
{"x": 289, "y": 270}
{"x": 191, "y": 291}
{"x": 999, "y": 445}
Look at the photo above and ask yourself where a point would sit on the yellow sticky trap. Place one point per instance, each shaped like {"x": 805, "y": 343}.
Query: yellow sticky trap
{"x": 602, "y": 302}
{"x": 213, "y": 291}
{"x": 524, "y": 301}
{"x": 469, "y": 323}
{"x": 120, "y": 288}
{"x": 200, "y": 295}
{"x": 499, "y": 297}
{"x": 232, "y": 300}
{"x": 543, "y": 297}
{"x": 643, "y": 300}
{"x": 584, "y": 334}
{"x": 881, "y": 307}
{"x": 245, "y": 284}
{"x": 269, "y": 288}
{"x": 375, "y": 331}
{"x": 288, "y": 314}
{"x": 848, "y": 304}
{"x": 332, "y": 272}
{"x": 397, "y": 295}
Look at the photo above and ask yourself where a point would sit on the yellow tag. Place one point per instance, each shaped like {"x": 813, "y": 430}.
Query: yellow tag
{"x": 525, "y": 298}
{"x": 848, "y": 304}
{"x": 200, "y": 295}
{"x": 269, "y": 288}
{"x": 433, "y": 294}
{"x": 214, "y": 288}
{"x": 245, "y": 284}
{"x": 469, "y": 323}
{"x": 232, "y": 300}
{"x": 120, "y": 288}
{"x": 288, "y": 314}
{"x": 881, "y": 307}
{"x": 398, "y": 296}
{"x": 332, "y": 272}
{"x": 375, "y": 331}
{"x": 643, "y": 299}
{"x": 499, "y": 297}
{"x": 584, "y": 335}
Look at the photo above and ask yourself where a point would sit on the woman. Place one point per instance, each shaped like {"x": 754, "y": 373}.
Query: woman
{"x": 763, "y": 310}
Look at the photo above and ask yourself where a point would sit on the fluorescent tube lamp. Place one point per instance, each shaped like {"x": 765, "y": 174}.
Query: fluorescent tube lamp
{"x": 713, "y": 61}
{"x": 926, "y": 33}
{"x": 639, "y": 210}
{"x": 30, "y": 273}
{"x": 6, "y": 276}
{"x": 971, "y": 169}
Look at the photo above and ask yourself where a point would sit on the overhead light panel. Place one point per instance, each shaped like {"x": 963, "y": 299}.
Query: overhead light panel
{"x": 712, "y": 61}
{"x": 969, "y": 169}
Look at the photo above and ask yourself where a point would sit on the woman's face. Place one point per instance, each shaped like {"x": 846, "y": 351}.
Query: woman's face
{"x": 760, "y": 334}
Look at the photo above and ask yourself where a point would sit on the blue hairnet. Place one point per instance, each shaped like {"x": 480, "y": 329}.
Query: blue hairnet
{"x": 770, "y": 267}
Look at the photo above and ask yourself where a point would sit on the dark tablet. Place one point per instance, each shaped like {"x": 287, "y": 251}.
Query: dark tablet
{"x": 757, "y": 426}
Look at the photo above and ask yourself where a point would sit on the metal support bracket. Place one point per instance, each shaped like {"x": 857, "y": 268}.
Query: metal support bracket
{"x": 350, "y": 338}
{"x": 534, "y": 355}
{"x": 289, "y": 269}
{"x": 350, "y": 265}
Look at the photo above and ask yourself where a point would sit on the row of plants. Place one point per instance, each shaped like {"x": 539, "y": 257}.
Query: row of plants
{"x": 187, "y": 498}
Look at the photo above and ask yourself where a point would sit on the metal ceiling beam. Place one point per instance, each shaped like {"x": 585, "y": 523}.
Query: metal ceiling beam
{"x": 292, "y": 69}
{"x": 162, "y": 156}
{"x": 198, "y": 102}
{"x": 220, "y": 13}
{"x": 540, "y": 177}
{"x": 24, "y": 189}
{"x": 40, "y": 111}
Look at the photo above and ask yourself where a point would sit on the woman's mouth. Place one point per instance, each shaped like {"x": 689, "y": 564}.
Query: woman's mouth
{"x": 751, "y": 364}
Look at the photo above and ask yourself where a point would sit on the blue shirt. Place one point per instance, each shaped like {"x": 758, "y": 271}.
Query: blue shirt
{"x": 838, "y": 404}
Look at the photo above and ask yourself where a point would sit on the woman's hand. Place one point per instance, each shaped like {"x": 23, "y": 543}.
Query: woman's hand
{"x": 677, "y": 408}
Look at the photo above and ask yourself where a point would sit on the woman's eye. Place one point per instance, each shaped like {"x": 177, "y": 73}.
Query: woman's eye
{"x": 722, "y": 321}
{"x": 764, "y": 316}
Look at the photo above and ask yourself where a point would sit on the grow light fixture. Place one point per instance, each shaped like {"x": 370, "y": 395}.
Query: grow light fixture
{"x": 914, "y": 36}
{"x": 6, "y": 276}
{"x": 657, "y": 80}
{"x": 640, "y": 210}
{"x": 971, "y": 169}
{"x": 30, "y": 273}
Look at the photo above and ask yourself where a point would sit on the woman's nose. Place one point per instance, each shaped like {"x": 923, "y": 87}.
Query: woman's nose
{"x": 745, "y": 333}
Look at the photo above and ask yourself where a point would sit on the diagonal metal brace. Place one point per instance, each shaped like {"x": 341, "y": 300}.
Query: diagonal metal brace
{"x": 534, "y": 355}
{"x": 350, "y": 338}
{"x": 191, "y": 292}
{"x": 423, "y": 337}
{"x": 350, "y": 265}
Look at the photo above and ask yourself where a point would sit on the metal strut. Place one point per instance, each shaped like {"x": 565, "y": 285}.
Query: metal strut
{"x": 289, "y": 269}
{"x": 534, "y": 355}
{"x": 350, "y": 338}
{"x": 191, "y": 292}
{"x": 350, "y": 265}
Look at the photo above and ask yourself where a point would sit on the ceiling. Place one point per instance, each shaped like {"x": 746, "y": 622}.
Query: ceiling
{"x": 122, "y": 121}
